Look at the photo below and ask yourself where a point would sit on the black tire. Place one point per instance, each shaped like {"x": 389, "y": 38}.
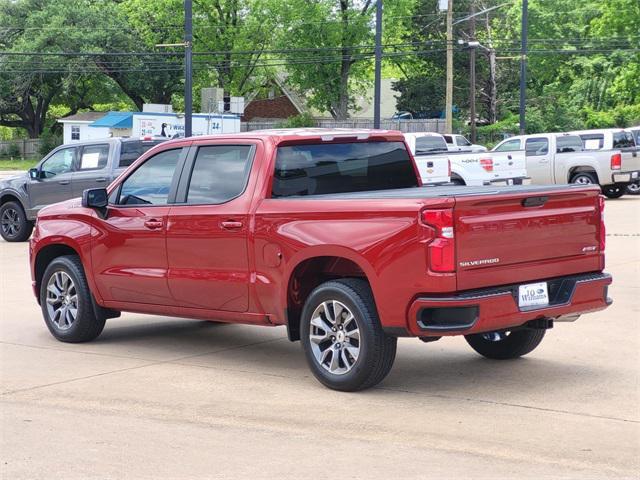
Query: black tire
{"x": 458, "y": 181}
{"x": 377, "y": 351}
{"x": 585, "y": 178}
{"x": 14, "y": 226}
{"x": 633, "y": 189}
{"x": 511, "y": 345}
{"x": 614, "y": 191}
{"x": 89, "y": 319}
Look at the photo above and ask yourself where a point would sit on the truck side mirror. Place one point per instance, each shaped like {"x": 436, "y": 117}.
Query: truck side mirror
{"x": 95, "y": 198}
{"x": 34, "y": 174}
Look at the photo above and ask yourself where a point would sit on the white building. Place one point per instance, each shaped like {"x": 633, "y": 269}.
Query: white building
{"x": 76, "y": 127}
{"x": 93, "y": 125}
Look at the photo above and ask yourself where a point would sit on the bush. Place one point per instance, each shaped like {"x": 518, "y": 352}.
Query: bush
{"x": 299, "y": 121}
{"x": 48, "y": 141}
{"x": 13, "y": 151}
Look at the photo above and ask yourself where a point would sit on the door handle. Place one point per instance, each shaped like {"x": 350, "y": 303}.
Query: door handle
{"x": 64, "y": 182}
{"x": 100, "y": 180}
{"x": 231, "y": 225}
{"x": 153, "y": 224}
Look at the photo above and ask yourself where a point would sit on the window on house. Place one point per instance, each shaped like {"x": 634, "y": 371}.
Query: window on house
{"x": 75, "y": 133}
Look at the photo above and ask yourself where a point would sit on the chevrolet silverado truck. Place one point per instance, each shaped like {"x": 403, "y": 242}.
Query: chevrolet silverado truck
{"x": 558, "y": 158}
{"x": 330, "y": 234}
{"x": 64, "y": 173}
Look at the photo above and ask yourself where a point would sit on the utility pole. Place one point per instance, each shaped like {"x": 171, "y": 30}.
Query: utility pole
{"x": 472, "y": 74}
{"x": 523, "y": 66}
{"x": 188, "y": 68}
{"x": 449, "y": 88}
{"x": 378, "y": 66}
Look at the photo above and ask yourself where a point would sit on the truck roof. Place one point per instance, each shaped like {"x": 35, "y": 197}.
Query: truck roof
{"x": 308, "y": 134}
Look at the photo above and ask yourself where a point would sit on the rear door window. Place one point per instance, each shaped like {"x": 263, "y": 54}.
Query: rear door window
{"x": 94, "y": 157}
{"x": 220, "y": 173}
{"x": 536, "y": 146}
{"x": 568, "y": 143}
{"x": 448, "y": 139}
{"x": 326, "y": 168}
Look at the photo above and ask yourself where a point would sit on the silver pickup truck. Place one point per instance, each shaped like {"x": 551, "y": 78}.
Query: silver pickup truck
{"x": 64, "y": 173}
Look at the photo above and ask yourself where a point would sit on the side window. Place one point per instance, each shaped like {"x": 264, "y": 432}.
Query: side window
{"x": 448, "y": 139}
{"x": 462, "y": 141}
{"x": 536, "y": 146}
{"x": 509, "y": 146}
{"x": 151, "y": 182}
{"x": 220, "y": 173}
{"x": 592, "y": 141}
{"x": 60, "y": 162}
{"x": 94, "y": 157}
{"x": 430, "y": 144}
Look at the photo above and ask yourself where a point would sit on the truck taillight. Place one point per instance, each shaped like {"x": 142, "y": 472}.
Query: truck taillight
{"x": 441, "y": 249}
{"x": 449, "y": 168}
{"x": 616, "y": 161}
{"x": 603, "y": 230}
{"x": 487, "y": 164}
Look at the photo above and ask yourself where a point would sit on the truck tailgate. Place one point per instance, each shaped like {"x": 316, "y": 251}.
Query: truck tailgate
{"x": 526, "y": 235}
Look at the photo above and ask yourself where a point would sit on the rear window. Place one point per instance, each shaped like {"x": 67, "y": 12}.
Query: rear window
{"x": 430, "y": 144}
{"x": 319, "y": 169}
{"x": 623, "y": 140}
{"x": 568, "y": 143}
{"x": 131, "y": 150}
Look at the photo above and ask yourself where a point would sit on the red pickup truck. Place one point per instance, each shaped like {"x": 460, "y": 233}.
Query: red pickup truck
{"x": 329, "y": 233}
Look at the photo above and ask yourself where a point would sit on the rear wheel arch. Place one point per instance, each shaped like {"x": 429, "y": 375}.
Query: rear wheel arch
{"x": 574, "y": 171}
{"x": 308, "y": 274}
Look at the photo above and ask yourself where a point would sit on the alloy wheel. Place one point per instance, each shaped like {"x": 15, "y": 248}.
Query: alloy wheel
{"x": 62, "y": 300}
{"x": 10, "y": 222}
{"x": 335, "y": 337}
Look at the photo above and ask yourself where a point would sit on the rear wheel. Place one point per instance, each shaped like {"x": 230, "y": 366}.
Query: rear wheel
{"x": 67, "y": 303}
{"x": 633, "y": 189}
{"x": 342, "y": 339}
{"x": 613, "y": 191}
{"x": 584, "y": 178}
{"x": 14, "y": 226}
{"x": 505, "y": 345}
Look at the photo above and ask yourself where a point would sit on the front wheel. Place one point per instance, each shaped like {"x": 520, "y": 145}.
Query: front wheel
{"x": 67, "y": 303}
{"x": 613, "y": 191}
{"x": 14, "y": 226}
{"x": 342, "y": 339}
{"x": 505, "y": 345}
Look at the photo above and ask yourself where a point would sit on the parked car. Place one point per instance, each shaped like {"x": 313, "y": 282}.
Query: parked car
{"x": 558, "y": 158}
{"x": 609, "y": 139}
{"x": 431, "y": 156}
{"x": 64, "y": 173}
{"x": 459, "y": 143}
{"x": 328, "y": 233}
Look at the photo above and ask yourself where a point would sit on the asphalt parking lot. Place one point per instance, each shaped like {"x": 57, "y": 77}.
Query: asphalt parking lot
{"x": 159, "y": 397}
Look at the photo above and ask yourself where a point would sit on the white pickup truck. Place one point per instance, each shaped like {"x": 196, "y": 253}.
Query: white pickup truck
{"x": 430, "y": 153}
{"x": 614, "y": 138}
{"x": 560, "y": 158}
{"x": 466, "y": 168}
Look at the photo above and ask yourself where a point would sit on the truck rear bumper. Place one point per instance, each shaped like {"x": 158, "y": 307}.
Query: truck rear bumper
{"x": 487, "y": 310}
{"x": 625, "y": 177}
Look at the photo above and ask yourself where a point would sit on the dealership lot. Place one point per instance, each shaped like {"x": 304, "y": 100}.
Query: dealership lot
{"x": 158, "y": 397}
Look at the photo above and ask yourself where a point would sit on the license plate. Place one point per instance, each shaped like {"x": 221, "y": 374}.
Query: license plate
{"x": 533, "y": 294}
